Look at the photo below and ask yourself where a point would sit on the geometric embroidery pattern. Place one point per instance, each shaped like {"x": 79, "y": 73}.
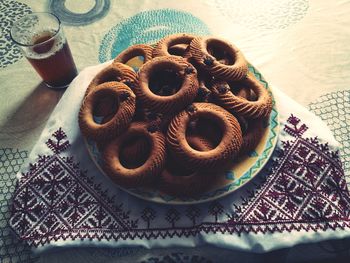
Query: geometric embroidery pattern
{"x": 177, "y": 257}
{"x": 334, "y": 109}
{"x": 308, "y": 187}
{"x": 10, "y": 11}
{"x": 11, "y": 249}
{"x": 305, "y": 189}
{"x": 55, "y": 198}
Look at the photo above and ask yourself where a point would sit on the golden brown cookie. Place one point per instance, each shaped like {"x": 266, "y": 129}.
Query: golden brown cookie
{"x": 227, "y": 148}
{"x": 185, "y": 86}
{"x": 114, "y": 72}
{"x": 200, "y": 143}
{"x": 181, "y": 182}
{"x": 166, "y": 43}
{"x": 159, "y": 119}
{"x": 134, "y": 152}
{"x": 219, "y": 58}
{"x": 105, "y": 106}
{"x": 185, "y": 183}
{"x": 101, "y": 143}
{"x": 259, "y": 108}
{"x": 252, "y": 135}
{"x": 121, "y": 119}
{"x": 178, "y": 50}
{"x": 245, "y": 93}
{"x": 149, "y": 170}
{"x": 139, "y": 50}
{"x": 240, "y": 91}
{"x": 204, "y": 94}
{"x": 252, "y": 130}
{"x": 204, "y": 91}
{"x": 203, "y": 132}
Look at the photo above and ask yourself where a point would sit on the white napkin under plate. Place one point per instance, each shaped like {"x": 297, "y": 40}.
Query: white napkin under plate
{"x": 63, "y": 200}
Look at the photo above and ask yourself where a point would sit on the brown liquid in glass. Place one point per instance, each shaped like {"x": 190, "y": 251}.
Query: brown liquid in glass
{"x": 57, "y": 70}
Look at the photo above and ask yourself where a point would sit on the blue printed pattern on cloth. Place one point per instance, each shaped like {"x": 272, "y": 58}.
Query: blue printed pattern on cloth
{"x": 334, "y": 109}
{"x": 69, "y": 17}
{"x": 11, "y": 249}
{"x": 10, "y": 11}
{"x": 148, "y": 27}
{"x": 305, "y": 189}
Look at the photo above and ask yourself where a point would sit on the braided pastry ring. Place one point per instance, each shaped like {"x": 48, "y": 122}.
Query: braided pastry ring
{"x": 149, "y": 170}
{"x": 173, "y": 103}
{"x": 259, "y": 108}
{"x": 121, "y": 119}
{"x": 134, "y": 51}
{"x": 235, "y": 70}
{"x": 227, "y": 148}
{"x": 114, "y": 72}
{"x": 163, "y": 45}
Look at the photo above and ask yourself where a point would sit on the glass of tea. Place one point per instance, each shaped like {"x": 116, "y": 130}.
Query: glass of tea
{"x": 41, "y": 39}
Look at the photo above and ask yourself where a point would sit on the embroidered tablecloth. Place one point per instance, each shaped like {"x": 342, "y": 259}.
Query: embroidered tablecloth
{"x": 299, "y": 46}
{"x": 63, "y": 200}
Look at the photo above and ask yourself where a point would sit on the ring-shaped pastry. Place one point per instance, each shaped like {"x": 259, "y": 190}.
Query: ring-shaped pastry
{"x": 204, "y": 93}
{"x": 252, "y": 135}
{"x": 200, "y": 143}
{"x": 163, "y": 45}
{"x": 185, "y": 184}
{"x": 227, "y": 148}
{"x": 259, "y": 108}
{"x": 245, "y": 93}
{"x": 180, "y": 182}
{"x": 134, "y": 151}
{"x": 178, "y": 50}
{"x": 126, "y": 103}
{"x": 204, "y": 83}
{"x": 226, "y": 61}
{"x": 114, "y": 72}
{"x": 135, "y": 51}
{"x": 149, "y": 170}
{"x": 172, "y": 103}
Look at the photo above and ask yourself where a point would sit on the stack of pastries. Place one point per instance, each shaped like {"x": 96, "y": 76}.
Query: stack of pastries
{"x": 191, "y": 108}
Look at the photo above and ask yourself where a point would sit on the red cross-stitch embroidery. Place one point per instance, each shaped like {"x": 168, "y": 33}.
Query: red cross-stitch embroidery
{"x": 304, "y": 189}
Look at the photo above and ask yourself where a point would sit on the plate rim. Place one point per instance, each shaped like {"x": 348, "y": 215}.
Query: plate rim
{"x": 227, "y": 189}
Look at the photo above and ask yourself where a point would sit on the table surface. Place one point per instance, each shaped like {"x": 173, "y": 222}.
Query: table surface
{"x": 301, "y": 47}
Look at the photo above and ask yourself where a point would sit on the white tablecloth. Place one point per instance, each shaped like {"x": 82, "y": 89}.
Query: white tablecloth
{"x": 299, "y": 46}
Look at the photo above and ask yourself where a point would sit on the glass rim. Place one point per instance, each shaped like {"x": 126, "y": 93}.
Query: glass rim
{"x": 37, "y": 44}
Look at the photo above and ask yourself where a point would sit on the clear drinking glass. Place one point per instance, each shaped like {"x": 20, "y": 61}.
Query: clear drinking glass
{"x": 41, "y": 39}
